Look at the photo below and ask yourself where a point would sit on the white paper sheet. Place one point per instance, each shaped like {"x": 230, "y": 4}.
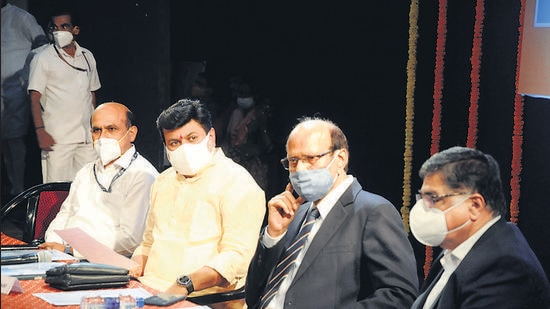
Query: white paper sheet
{"x": 93, "y": 250}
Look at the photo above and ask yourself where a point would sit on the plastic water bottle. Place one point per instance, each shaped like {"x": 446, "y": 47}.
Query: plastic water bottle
{"x": 140, "y": 302}
{"x": 92, "y": 302}
{"x": 112, "y": 303}
{"x": 127, "y": 302}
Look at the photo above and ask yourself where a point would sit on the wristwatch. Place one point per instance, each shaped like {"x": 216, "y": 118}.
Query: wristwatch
{"x": 68, "y": 249}
{"x": 186, "y": 282}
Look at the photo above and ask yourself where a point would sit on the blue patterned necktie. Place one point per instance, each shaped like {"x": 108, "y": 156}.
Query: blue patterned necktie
{"x": 288, "y": 259}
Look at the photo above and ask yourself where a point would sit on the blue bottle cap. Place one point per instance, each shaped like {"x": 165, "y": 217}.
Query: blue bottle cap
{"x": 140, "y": 302}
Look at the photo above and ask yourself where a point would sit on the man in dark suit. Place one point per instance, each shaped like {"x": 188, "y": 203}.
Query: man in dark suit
{"x": 355, "y": 255}
{"x": 486, "y": 262}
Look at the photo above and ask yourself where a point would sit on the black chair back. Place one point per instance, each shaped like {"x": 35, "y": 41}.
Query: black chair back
{"x": 40, "y": 204}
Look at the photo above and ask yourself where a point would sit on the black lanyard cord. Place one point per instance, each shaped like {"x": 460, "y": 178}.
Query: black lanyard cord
{"x": 72, "y": 66}
{"x": 120, "y": 172}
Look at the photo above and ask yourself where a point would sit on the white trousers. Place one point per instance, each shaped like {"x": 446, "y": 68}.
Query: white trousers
{"x": 62, "y": 163}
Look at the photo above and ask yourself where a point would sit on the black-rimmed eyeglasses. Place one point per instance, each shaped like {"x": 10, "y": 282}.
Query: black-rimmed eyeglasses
{"x": 292, "y": 162}
{"x": 431, "y": 199}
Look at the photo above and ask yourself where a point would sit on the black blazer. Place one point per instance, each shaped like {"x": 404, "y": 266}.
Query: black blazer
{"x": 500, "y": 271}
{"x": 360, "y": 257}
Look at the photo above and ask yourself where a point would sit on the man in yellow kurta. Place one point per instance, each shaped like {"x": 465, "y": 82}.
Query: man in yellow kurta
{"x": 206, "y": 211}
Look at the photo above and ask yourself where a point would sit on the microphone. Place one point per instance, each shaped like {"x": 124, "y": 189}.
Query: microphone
{"x": 38, "y": 257}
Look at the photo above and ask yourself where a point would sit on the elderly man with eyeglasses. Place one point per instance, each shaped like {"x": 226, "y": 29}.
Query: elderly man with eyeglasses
{"x": 355, "y": 252}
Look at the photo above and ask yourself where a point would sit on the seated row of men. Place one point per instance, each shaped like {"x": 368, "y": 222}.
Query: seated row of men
{"x": 196, "y": 227}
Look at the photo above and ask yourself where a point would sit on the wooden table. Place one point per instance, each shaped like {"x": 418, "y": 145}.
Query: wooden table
{"x": 7, "y": 240}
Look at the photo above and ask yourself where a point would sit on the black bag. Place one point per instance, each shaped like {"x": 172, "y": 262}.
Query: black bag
{"x": 82, "y": 276}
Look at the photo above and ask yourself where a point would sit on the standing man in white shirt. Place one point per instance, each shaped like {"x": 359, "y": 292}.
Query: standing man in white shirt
{"x": 62, "y": 84}
{"x": 109, "y": 198}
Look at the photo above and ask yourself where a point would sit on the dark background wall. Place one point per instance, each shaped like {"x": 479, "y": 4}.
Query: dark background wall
{"x": 343, "y": 60}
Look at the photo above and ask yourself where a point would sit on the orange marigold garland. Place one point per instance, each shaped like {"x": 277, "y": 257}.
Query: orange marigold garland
{"x": 438, "y": 75}
{"x": 475, "y": 61}
{"x": 517, "y": 137}
{"x": 409, "y": 113}
{"x": 438, "y": 94}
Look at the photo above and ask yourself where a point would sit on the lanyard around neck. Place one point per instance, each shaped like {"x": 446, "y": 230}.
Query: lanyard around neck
{"x": 120, "y": 172}
{"x": 72, "y": 66}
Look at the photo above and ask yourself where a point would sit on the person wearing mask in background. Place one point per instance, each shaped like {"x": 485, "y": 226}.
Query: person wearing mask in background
{"x": 247, "y": 139}
{"x": 206, "y": 212}
{"x": 20, "y": 34}
{"x": 62, "y": 84}
{"x": 486, "y": 262}
{"x": 109, "y": 198}
{"x": 335, "y": 245}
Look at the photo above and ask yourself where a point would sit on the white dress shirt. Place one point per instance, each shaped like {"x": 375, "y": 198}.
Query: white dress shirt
{"x": 116, "y": 218}
{"x": 451, "y": 260}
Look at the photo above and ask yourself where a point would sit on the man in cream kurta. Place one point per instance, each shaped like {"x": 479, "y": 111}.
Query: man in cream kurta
{"x": 210, "y": 219}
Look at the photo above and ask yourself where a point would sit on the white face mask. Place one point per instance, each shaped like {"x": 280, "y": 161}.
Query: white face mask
{"x": 62, "y": 38}
{"x": 245, "y": 103}
{"x": 429, "y": 225}
{"x": 188, "y": 159}
{"x": 108, "y": 149}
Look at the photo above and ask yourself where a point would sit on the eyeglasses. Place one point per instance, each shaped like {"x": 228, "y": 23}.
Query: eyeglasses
{"x": 311, "y": 160}
{"x": 431, "y": 199}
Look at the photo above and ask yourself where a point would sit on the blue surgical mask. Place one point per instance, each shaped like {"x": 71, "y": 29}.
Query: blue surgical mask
{"x": 312, "y": 185}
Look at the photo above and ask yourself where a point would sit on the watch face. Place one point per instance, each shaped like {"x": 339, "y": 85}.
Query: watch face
{"x": 186, "y": 282}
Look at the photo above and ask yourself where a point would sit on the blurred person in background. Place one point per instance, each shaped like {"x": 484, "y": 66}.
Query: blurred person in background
{"x": 20, "y": 34}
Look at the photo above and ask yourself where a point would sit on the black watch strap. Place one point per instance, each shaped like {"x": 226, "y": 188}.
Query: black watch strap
{"x": 187, "y": 283}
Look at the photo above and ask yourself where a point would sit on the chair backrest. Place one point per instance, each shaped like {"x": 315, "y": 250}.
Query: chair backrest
{"x": 42, "y": 203}
{"x": 49, "y": 204}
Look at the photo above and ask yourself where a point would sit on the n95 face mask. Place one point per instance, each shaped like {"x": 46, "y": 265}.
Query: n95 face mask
{"x": 108, "y": 149}
{"x": 62, "y": 38}
{"x": 429, "y": 225}
{"x": 188, "y": 159}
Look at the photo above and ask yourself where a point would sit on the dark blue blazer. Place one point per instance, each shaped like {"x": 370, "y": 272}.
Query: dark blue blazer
{"x": 500, "y": 271}
{"x": 360, "y": 257}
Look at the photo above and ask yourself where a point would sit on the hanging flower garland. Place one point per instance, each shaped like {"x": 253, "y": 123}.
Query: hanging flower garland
{"x": 438, "y": 75}
{"x": 409, "y": 113}
{"x": 517, "y": 137}
{"x": 438, "y": 94}
{"x": 475, "y": 61}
